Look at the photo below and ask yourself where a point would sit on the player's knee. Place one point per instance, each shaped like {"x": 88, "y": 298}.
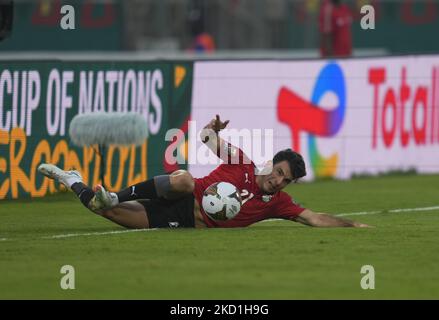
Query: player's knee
{"x": 182, "y": 181}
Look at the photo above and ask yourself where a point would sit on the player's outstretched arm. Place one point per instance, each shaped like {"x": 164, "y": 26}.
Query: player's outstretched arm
{"x": 314, "y": 219}
{"x": 209, "y": 134}
{"x": 223, "y": 149}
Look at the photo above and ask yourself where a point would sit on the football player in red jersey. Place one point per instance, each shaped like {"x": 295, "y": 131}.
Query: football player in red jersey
{"x": 335, "y": 22}
{"x": 174, "y": 200}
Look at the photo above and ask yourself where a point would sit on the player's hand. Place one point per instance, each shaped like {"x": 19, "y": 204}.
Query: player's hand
{"x": 216, "y": 124}
{"x": 362, "y": 225}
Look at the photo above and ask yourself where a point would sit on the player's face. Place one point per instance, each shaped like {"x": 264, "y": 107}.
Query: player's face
{"x": 278, "y": 179}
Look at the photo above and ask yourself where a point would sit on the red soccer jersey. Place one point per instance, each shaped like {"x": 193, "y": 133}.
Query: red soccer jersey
{"x": 342, "y": 22}
{"x": 336, "y": 21}
{"x": 256, "y": 206}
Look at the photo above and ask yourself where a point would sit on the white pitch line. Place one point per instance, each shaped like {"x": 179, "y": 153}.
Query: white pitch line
{"x": 358, "y": 213}
{"x": 70, "y": 235}
{"x": 415, "y": 209}
{"x": 3, "y": 239}
{"x": 389, "y": 211}
{"x": 375, "y": 212}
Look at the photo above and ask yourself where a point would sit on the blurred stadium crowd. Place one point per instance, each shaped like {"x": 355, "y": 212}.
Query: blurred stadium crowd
{"x": 205, "y": 26}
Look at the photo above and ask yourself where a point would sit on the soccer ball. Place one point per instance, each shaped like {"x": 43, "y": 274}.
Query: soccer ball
{"x": 221, "y": 201}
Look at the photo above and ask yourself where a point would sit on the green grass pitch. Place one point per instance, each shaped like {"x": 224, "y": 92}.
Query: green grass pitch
{"x": 269, "y": 260}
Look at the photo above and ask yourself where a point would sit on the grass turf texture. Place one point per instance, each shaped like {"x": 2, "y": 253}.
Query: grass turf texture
{"x": 269, "y": 260}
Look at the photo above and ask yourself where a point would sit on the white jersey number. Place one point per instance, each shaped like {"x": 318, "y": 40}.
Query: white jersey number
{"x": 246, "y": 196}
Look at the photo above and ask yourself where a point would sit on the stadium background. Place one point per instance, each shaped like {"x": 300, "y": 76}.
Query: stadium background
{"x": 266, "y": 61}
{"x": 48, "y": 94}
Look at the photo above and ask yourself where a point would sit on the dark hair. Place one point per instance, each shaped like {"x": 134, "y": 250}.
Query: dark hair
{"x": 295, "y": 161}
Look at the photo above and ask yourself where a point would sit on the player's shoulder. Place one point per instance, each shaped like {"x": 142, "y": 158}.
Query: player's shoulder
{"x": 283, "y": 195}
{"x": 238, "y": 171}
{"x": 285, "y": 198}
